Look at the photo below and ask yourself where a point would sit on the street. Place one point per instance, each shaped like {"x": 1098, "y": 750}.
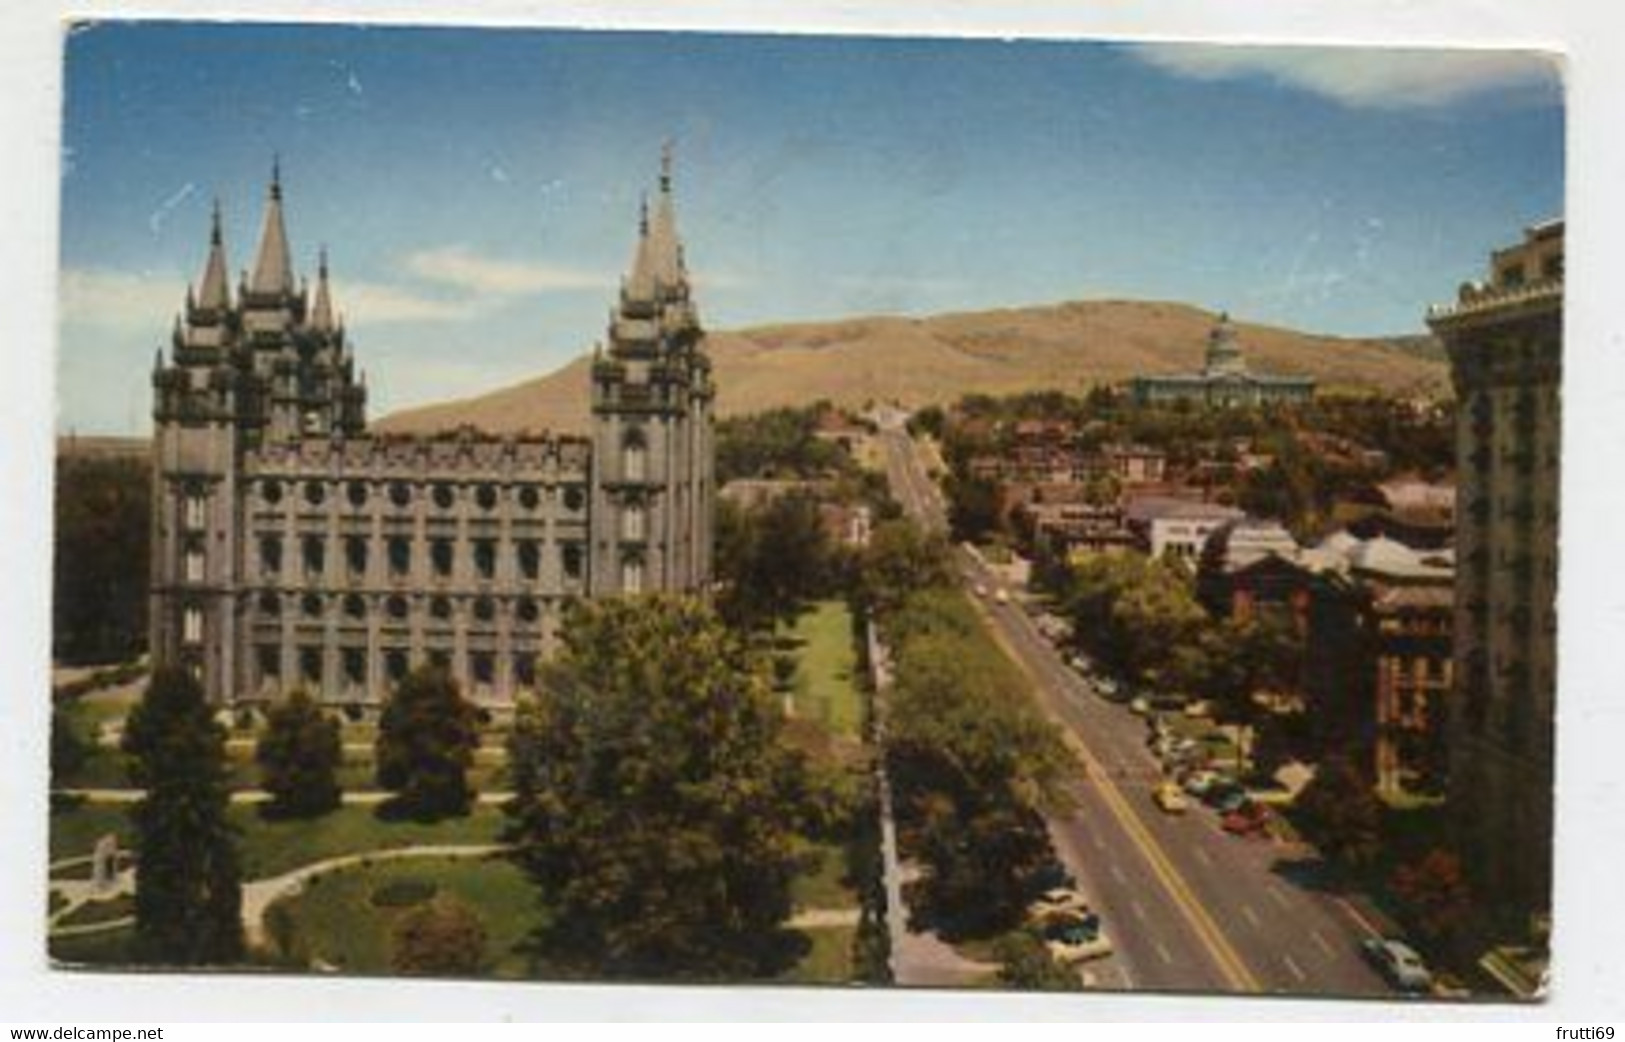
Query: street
{"x": 1187, "y": 906}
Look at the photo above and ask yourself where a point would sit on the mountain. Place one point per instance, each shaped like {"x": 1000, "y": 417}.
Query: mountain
{"x": 938, "y": 359}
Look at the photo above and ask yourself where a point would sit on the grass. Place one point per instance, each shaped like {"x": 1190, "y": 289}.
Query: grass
{"x": 829, "y": 961}
{"x": 825, "y": 686}
{"x": 335, "y": 921}
{"x": 822, "y": 882}
{"x": 270, "y": 848}
{"x": 106, "y": 948}
{"x": 100, "y": 911}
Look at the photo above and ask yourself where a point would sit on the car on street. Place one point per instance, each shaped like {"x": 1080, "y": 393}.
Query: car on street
{"x": 1079, "y": 663}
{"x": 1060, "y": 900}
{"x": 1399, "y": 963}
{"x": 1075, "y": 938}
{"x": 1170, "y": 798}
{"x": 1199, "y": 781}
{"x": 1249, "y": 819}
{"x": 1201, "y": 709}
{"x": 1001, "y": 596}
{"x": 1140, "y": 706}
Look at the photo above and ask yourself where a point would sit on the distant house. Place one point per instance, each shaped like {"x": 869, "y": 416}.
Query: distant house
{"x": 1174, "y": 525}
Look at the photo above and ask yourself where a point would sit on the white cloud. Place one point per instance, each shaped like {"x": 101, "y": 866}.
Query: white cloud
{"x": 463, "y": 269}
{"x": 103, "y": 297}
{"x": 376, "y": 303}
{"x": 1363, "y": 76}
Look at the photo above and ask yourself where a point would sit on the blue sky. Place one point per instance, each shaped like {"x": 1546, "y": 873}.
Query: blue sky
{"x": 477, "y": 189}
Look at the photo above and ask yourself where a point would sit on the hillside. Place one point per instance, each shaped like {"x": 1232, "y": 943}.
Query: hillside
{"x": 938, "y": 359}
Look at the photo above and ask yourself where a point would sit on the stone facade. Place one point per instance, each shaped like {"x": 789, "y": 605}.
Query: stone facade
{"x": 1505, "y": 340}
{"x": 292, "y": 548}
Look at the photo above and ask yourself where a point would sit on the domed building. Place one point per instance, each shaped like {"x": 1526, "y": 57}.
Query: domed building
{"x": 1224, "y": 381}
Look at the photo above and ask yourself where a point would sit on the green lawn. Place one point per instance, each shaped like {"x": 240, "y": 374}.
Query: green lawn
{"x": 270, "y": 848}
{"x": 821, "y": 882}
{"x": 335, "y": 921}
{"x": 100, "y": 911}
{"x": 829, "y": 961}
{"x": 107, "y": 948}
{"x": 825, "y": 687}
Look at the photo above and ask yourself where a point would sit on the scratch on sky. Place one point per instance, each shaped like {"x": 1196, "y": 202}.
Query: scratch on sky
{"x": 156, "y": 221}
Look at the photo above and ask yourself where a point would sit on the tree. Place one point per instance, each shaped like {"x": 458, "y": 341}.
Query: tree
{"x": 655, "y": 797}
{"x": 900, "y": 559}
{"x": 771, "y": 559}
{"x": 188, "y": 895}
{"x": 973, "y": 506}
{"x": 1435, "y": 891}
{"x": 440, "y": 937}
{"x": 1340, "y": 814}
{"x": 426, "y": 742}
{"x": 103, "y": 520}
{"x": 1025, "y": 964}
{"x": 299, "y": 756}
{"x": 69, "y": 750}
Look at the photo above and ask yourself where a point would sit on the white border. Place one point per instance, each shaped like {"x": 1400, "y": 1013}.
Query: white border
{"x": 1591, "y": 822}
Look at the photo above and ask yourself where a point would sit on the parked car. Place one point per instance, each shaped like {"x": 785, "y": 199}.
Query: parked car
{"x": 1199, "y": 781}
{"x": 1060, "y": 900}
{"x": 1398, "y": 963}
{"x": 1170, "y": 798}
{"x": 1001, "y": 596}
{"x": 1224, "y": 794}
{"x": 1079, "y": 663}
{"x": 1075, "y": 938}
{"x": 1140, "y": 706}
{"x": 1249, "y": 819}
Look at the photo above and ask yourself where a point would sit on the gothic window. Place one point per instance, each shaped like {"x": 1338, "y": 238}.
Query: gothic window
{"x": 355, "y": 607}
{"x": 440, "y": 608}
{"x": 357, "y": 492}
{"x": 530, "y": 559}
{"x": 315, "y": 556}
{"x": 634, "y": 456}
{"x": 270, "y": 657}
{"x": 631, "y": 575}
{"x": 270, "y": 555}
{"x": 396, "y": 606}
{"x": 395, "y": 665}
{"x": 485, "y": 558}
{"x": 310, "y": 665}
{"x": 483, "y": 667}
{"x": 315, "y": 493}
{"x": 484, "y": 610}
{"x": 444, "y": 497}
{"x": 400, "y": 493}
{"x": 527, "y": 610}
{"x": 192, "y": 625}
{"x": 486, "y": 497}
{"x": 311, "y": 605}
{"x": 355, "y": 666}
{"x": 270, "y": 605}
{"x": 572, "y": 561}
{"x": 271, "y": 492}
{"x": 194, "y": 564}
{"x": 441, "y": 660}
{"x": 634, "y": 524}
{"x": 355, "y": 555}
{"x": 194, "y": 512}
{"x": 440, "y": 557}
{"x": 400, "y": 556}
{"x": 574, "y": 499}
{"x": 529, "y": 497}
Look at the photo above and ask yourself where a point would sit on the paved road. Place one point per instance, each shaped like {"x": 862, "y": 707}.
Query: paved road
{"x": 1187, "y": 907}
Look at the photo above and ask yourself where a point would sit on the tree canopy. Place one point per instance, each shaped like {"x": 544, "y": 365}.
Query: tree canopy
{"x": 188, "y": 894}
{"x": 655, "y": 800}
{"x": 426, "y": 741}
{"x": 299, "y": 754}
{"x": 103, "y": 529}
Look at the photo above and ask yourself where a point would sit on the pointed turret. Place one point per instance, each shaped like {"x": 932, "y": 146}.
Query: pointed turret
{"x": 215, "y": 294}
{"x": 665, "y": 250}
{"x": 321, "y": 312}
{"x": 273, "y": 268}
{"x": 640, "y": 282}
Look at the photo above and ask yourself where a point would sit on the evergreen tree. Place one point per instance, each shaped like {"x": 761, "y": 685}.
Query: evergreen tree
{"x": 299, "y": 756}
{"x": 442, "y": 936}
{"x": 188, "y": 895}
{"x": 654, "y": 798}
{"x": 426, "y": 742}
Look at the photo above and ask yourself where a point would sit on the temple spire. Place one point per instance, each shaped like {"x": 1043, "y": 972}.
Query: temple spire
{"x": 640, "y": 282}
{"x": 273, "y": 267}
{"x": 215, "y": 293}
{"x": 664, "y": 248}
{"x": 321, "y": 312}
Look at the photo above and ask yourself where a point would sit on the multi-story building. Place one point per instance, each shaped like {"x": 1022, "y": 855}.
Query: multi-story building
{"x": 292, "y": 548}
{"x": 1505, "y": 340}
{"x": 1225, "y": 379}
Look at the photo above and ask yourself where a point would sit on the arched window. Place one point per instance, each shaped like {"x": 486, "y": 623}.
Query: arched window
{"x": 315, "y": 493}
{"x": 574, "y": 499}
{"x": 271, "y": 492}
{"x": 530, "y": 559}
{"x": 194, "y": 564}
{"x": 195, "y": 515}
{"x": 270, "y": 657}
{"x": 529, "y": 497}
{"x": 192, "y": 625}
{"x": 527, "y": 610}
{"x": 310, "y": 665}
{"x": 355, "y": 666}
{"x": 485, "y": 558}
{"x": 486, "y": 497}
{"x": 311, "y": 605}
{"x": 270, "y": 605}
{"x": 632, "y": 575}
{"x": 395, "y": 665}
{"x": 440, "y": 556}
{"x": 440, "y": 608}
{"x": 396, "y": 606}
{"x": 355, "y": 556}
{"x": 484, "y": 609}
{"x": 315, "y": 555}
{"x": 524, "y": 670}
{"x": 444, "y": 496}
{"x": 634, "y": 456}
{"x": 400, "y": 493}
{"x": 355, "y": 607}
{"x": 357, "y": 492}
{"x": 400, "y": 555}
{"x": 634, "y": 522}
{"x": 572, "y": 561}
{"x": 270, "y": 555}
{"x": 483, "y": 666}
